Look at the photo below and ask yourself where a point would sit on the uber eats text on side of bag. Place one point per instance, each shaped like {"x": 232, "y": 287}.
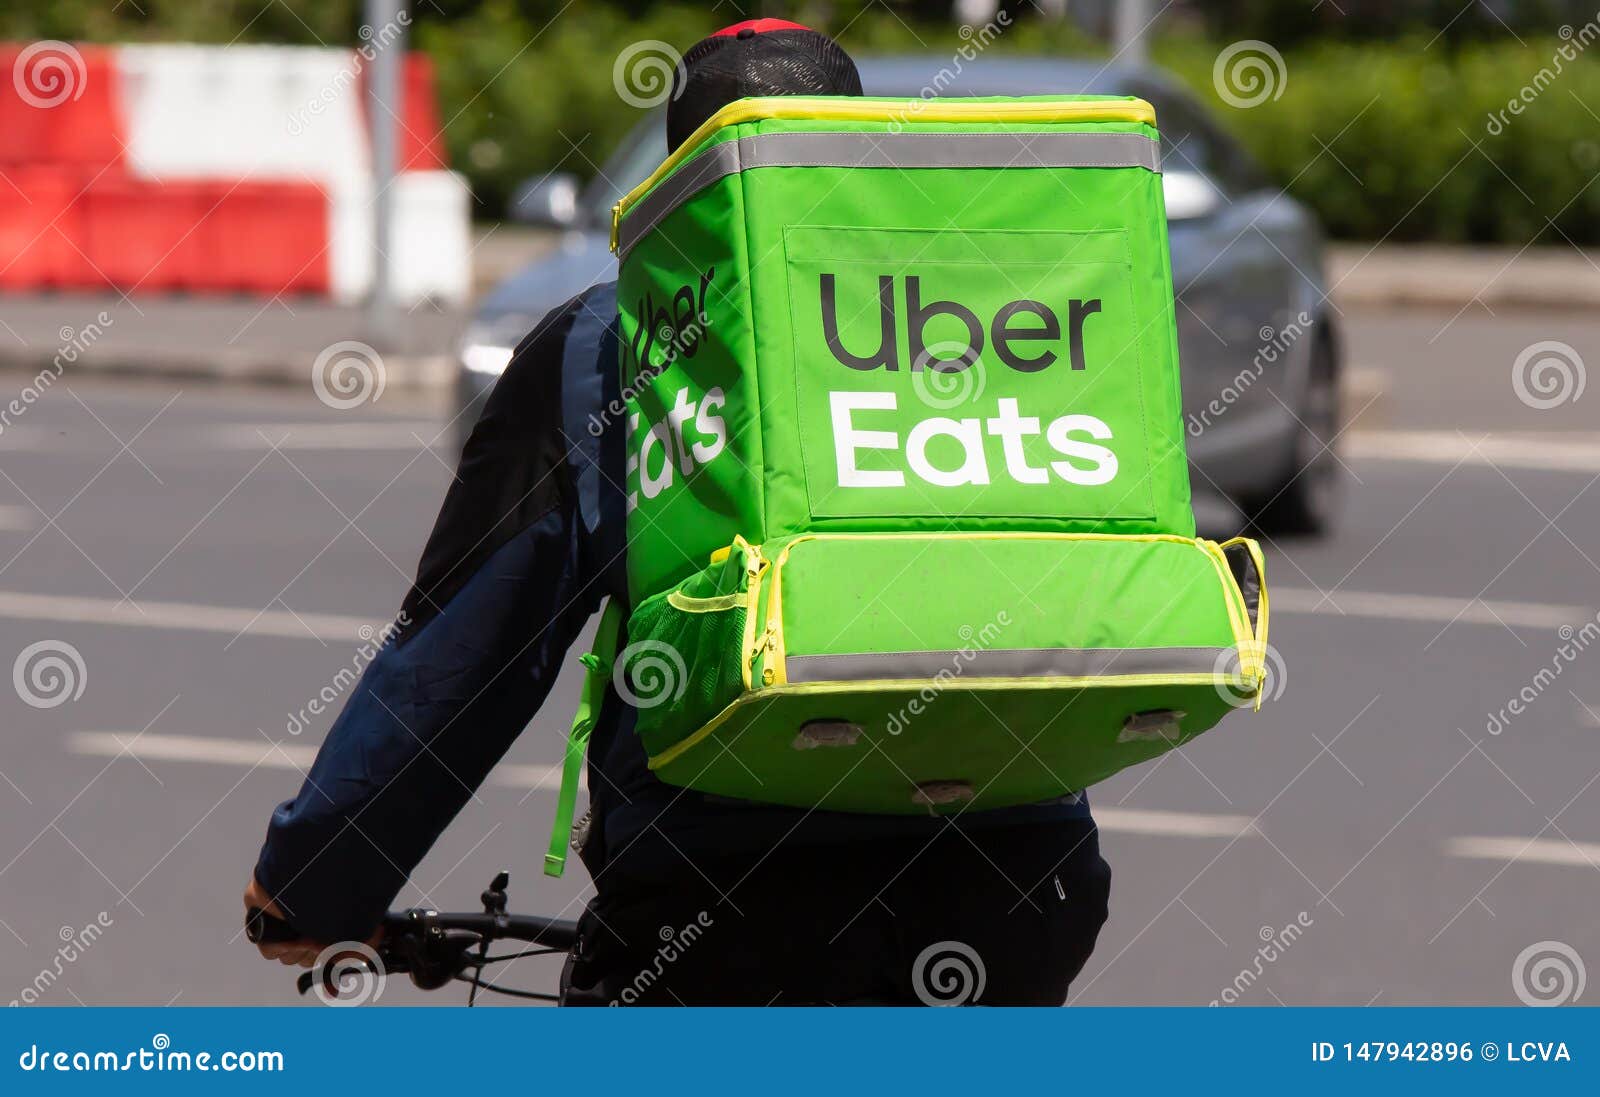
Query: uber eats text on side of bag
{"x": 905, "y": 436}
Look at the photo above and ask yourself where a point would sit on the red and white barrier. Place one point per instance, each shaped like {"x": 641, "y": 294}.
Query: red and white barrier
{"x": 217, "y": 169}
{"x": 430, "y": 248}
{"x": 41, "y": 228}
{"x": 59, "y": 106}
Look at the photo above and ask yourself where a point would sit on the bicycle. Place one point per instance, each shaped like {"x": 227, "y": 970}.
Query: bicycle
{"x": 434, "y": 948}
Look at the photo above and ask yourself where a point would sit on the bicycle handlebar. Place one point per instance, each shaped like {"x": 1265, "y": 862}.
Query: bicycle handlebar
{"x": 556, "y": 933}
{"x": 436, "y": 948}
{"x": 261, "y": 928}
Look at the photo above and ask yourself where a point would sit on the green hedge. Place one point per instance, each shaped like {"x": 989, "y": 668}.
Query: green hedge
{"x": 521, "y": 97}
{"x": 1419, "y": 142}
{"x": 1409, "y": 150}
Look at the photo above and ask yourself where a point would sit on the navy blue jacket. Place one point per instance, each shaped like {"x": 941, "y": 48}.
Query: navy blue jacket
{"x": 530, "y": 540}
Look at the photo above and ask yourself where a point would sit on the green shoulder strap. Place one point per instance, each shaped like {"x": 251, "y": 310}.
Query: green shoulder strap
{"x": 597, "y": 672}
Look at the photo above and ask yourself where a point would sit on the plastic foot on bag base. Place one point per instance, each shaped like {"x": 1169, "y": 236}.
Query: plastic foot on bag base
{"x": 827, "y": 733}
{"x": 942, "y": 793}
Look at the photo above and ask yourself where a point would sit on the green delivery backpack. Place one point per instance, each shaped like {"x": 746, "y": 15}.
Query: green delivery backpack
{"x": 908, "y": 505}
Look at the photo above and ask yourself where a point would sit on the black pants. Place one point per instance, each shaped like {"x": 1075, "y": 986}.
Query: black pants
{"x": 1005, "y": 916}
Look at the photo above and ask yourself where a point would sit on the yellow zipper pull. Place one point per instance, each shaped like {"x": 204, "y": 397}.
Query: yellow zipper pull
{"x": 769, "y": 642}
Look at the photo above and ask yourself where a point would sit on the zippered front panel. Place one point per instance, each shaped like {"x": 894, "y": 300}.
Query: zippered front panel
{"x": 1168, "y": 594}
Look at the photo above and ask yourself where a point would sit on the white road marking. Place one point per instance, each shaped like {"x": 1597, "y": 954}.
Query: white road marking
{"x": 155, "y": 747}
{"x": 1427, "y": 607}
{"x": 234, "y": 620}
{"x": 1545, "y": 451}
{"x": 258, "y": 752}
{"x": 193, "y": 748}
{"x": 1537, "y": 851}
{"x": 33, "y": 440}
{"x": 185, "y": 616}
{"x": 398, "y": 434}
{"x": 1173, "y": 824}
{"x": 324, "y": 436}
{"x": 151, "y": 746}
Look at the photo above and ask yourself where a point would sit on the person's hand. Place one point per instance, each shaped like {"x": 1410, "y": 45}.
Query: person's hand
{"x": 302, "y": 952}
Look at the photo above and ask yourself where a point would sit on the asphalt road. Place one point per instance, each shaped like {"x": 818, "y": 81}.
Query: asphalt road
{"x": 211, "y": 554}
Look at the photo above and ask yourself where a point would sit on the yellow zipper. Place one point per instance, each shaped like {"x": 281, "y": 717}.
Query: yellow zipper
{"x": 754, "y": 566}
{"x": 1262, "y": 613}
{"x": 1263, "y": 609}
{"x": 1238, "y": 615}
{"x": 810, "y": 108}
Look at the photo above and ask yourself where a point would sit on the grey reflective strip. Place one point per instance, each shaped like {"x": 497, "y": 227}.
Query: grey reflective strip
{"x": 1013, "y": 663}
{"x": 885, "y": 150}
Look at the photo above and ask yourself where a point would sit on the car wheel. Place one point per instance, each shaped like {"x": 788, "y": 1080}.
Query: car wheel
{"x": 1307, "y": 501}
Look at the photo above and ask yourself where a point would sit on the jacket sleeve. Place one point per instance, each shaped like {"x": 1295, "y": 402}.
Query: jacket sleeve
{"x": 501, "y": 593}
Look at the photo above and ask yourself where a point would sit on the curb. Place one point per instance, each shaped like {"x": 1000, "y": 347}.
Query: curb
{"x": 405, "y": 371}
{"x": 1442, "y": 277}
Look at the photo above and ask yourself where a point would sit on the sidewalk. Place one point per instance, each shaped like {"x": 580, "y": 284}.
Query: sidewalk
{"x": 247, "y": 339}
{"x": 1456, "y": 277}
{"x": 221, "y": 338}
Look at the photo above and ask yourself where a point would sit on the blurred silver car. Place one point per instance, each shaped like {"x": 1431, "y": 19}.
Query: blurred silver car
{"x": 1259, "y": 353}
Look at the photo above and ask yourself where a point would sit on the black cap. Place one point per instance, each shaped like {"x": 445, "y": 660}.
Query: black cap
{"x": 755, "y": 57}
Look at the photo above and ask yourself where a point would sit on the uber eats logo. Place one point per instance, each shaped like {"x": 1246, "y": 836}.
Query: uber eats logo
{"x": 691, "y": 432}
{"x": 1026, "y": 334}
{"x": 917, "y": 329}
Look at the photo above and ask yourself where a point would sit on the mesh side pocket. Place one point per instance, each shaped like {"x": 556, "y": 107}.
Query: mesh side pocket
{"x": 685, "y": 646}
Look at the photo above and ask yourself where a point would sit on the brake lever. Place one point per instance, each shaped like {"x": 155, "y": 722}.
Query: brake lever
{"x": 389, "y": 963}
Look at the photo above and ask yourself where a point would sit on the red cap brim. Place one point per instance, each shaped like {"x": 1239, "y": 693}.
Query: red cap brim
{"x": 760, "y": 26}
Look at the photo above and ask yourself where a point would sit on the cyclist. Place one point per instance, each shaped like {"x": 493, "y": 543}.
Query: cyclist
{"x": 791, "y": 906}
